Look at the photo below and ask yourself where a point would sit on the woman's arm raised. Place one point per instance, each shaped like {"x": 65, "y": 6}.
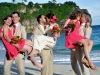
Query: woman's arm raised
{"x": 65, "y": 25}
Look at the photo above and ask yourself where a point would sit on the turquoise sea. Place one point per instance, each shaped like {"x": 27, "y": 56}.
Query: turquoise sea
{"x": 62, "y": 54}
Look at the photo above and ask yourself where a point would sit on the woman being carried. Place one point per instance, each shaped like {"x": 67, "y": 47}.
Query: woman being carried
{"x": 40, "y": 41}
{"x": 73, "y": 38}
{"x": 22, "y": 45}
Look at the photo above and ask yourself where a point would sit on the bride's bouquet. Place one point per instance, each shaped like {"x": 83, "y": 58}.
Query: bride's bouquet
{"x": 55, "y": 29}
{"x": 15, "y": 39}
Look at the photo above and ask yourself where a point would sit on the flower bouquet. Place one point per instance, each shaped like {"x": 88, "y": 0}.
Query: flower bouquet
{"x": 71, "y": 26}
{"x": 55, "y": 29}
{"x": 15, "y": 39}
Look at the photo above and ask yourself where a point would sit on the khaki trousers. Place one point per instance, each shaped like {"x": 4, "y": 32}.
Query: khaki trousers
{"x": 20, "y": 63}
{"x": 77, "y": 55}
{"x": 47, "y": 61}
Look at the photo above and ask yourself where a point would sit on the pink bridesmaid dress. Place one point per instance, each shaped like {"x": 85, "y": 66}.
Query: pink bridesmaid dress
{"x": 74, "y": 36}
{"x": 11, "y": 51}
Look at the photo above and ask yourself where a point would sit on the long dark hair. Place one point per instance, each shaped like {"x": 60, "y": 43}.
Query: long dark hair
{"x": 52, "y": 17}
{"x": 74, "y": 14}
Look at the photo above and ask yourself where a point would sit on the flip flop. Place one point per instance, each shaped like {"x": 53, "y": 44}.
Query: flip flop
{"x": 84, "y": 61}
{"x": 93, "y": 67}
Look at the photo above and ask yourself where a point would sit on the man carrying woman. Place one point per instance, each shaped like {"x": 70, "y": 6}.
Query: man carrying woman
{"x": 71, "y": 42}
{"x": 46, "y": 54}
{"x": 18, "y": 56}
{"x": 23, "y": 45}
{"x": 77, "y": 54}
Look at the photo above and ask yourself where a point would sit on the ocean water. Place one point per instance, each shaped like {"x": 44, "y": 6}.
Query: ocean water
{"x": 62, "y": 54}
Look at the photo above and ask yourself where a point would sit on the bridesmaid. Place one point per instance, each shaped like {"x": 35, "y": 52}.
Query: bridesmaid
{"x": 73, "y": 38}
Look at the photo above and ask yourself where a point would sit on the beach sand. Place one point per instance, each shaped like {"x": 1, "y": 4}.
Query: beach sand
{"x": 58, "y": 70}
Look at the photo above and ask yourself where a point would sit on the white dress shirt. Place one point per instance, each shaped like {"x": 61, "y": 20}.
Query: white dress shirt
{"x": 42, "y": 28}
{"x": 17, "y": 24}
{"x": 81, "y": 29}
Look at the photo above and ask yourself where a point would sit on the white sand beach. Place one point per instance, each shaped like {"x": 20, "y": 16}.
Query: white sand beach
{"x": 58, "y": 70}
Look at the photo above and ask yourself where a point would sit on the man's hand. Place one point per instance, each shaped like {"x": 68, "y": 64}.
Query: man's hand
{"x": 33, "y": 27}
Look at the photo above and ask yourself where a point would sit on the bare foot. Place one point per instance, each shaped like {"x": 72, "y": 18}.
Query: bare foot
{"x": 38, "y": 65}
{"x": 35, "y": 63}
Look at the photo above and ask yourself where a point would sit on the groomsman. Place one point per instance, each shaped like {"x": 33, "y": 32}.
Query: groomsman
{"x": 77, "y": 54}
{"x": 19, "y": 59}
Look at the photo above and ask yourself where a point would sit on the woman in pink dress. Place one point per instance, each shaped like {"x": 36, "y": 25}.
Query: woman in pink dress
{"x": 22, "y": 45}
{"x": 73, "y": 38}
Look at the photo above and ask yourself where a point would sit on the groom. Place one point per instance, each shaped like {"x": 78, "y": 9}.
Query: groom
{"x": 46, "y": 55}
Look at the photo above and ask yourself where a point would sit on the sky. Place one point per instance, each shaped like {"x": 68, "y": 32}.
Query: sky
{"x": 93, "y": 6}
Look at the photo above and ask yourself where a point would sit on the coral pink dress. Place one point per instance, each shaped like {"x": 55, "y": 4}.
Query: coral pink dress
{"x": 11, "y": 51}
{"x": 74, "y": 36}
{"x": 21, "y": 43}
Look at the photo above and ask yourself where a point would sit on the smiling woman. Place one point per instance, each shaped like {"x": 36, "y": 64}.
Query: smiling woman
{"x": 11, "y": 54}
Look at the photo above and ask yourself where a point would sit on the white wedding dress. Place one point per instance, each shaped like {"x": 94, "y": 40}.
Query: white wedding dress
{"x": 42, "y": 41}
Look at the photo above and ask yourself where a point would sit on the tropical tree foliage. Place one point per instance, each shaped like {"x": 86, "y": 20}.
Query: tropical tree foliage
{"x": 30, "y": 5}
{"x": 61, "y": 10}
